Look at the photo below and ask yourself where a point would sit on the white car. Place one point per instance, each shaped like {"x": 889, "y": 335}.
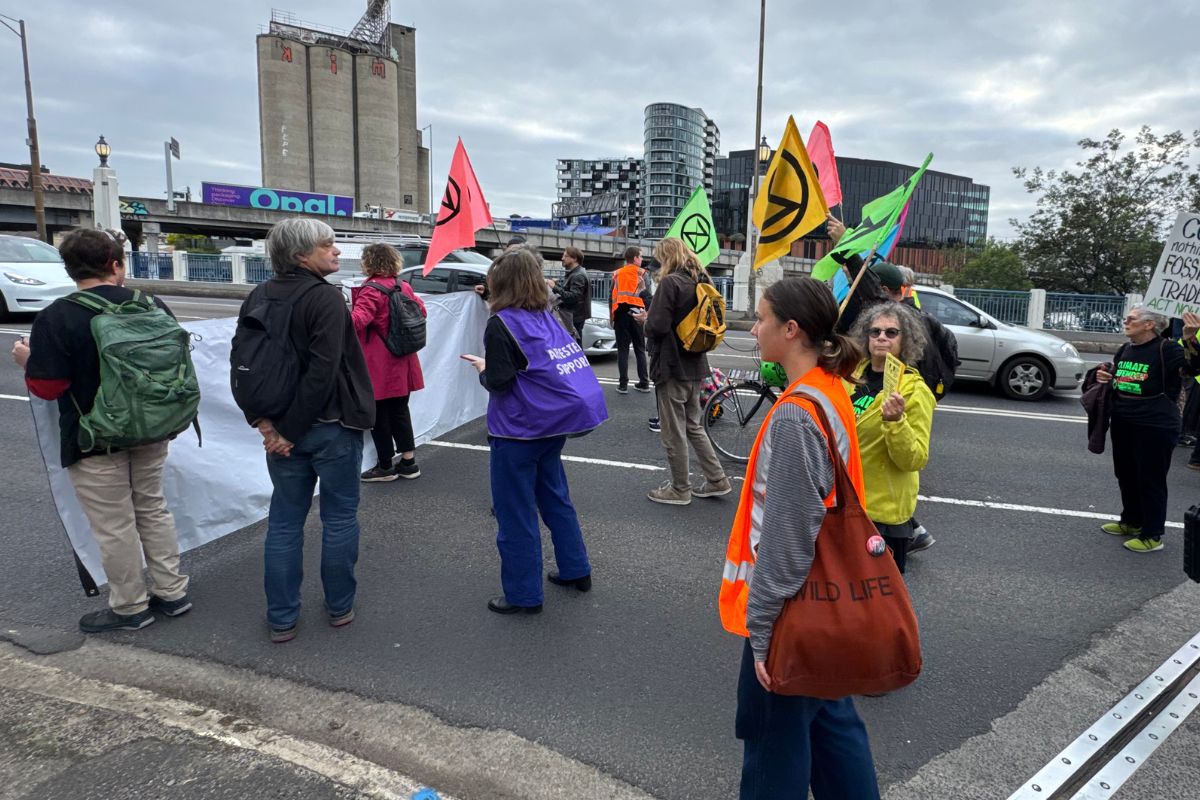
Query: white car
{"x": 32, "y": 275}
{"x": 1022, "y": 363}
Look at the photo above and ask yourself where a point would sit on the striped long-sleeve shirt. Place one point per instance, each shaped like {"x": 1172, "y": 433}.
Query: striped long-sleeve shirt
{"x": 792, "y": 477}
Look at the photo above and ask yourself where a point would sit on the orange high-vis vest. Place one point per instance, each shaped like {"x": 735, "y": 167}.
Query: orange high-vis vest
{"x": 626, "y": 283}
{"x": 743, "y": 539}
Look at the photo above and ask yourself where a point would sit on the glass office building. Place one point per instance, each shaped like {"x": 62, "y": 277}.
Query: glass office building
{"x": 945, "y": 209}
{"x": 681, "y": 146}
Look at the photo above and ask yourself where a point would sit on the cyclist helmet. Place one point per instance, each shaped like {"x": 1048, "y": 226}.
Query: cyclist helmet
{"x": 772, "y": 374}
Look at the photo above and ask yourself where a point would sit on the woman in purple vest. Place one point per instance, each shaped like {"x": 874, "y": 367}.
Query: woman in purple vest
{"x": 542, "y": 390}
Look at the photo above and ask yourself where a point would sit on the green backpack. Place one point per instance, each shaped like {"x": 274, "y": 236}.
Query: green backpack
{"x": 148, "y": 386}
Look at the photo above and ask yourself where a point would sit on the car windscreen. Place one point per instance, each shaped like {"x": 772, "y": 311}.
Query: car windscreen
{"x": 24, "y": 250}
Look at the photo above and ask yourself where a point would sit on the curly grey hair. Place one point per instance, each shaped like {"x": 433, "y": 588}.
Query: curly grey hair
{"x": 913, "y": 337}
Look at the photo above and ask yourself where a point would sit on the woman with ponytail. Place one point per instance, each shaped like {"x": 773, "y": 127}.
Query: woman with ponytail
{"x": 793, "y": 743}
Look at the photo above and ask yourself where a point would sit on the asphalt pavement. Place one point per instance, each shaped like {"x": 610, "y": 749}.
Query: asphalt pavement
{"x": 637, "y": 678}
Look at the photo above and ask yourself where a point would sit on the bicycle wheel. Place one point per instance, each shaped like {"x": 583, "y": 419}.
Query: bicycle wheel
{"x": 733, "y": 416}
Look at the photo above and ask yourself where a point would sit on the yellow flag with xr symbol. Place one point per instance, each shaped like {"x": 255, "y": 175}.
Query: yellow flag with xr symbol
{"x": 790, "y": 203}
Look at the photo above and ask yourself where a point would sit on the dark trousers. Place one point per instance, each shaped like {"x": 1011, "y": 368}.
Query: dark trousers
{"x": 393, "y": 424}
{"x": 1141, "y": 459}
{"x": 899, "y": 550}
{"x": 794, "y": 742}
{"x": 629, "y": 332}
{"x": 527, "y": 478}
{"x": 1191, "y": 409}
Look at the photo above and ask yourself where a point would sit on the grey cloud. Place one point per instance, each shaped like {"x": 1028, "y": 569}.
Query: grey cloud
{"x": 984, "y": 86}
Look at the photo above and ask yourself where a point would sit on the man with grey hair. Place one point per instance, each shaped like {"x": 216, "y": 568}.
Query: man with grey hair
{"x": 301, "y": 379}
{"x": 1146, "y": 376}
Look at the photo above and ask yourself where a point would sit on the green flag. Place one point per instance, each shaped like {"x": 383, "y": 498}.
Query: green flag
{"x": 694, "y": 226}
{"x": 878, "y": 218}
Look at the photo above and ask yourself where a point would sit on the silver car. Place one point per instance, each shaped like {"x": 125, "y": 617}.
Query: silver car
{"x": 32, "y": 275}
{"x": 1022, "y": 363}
{"x": 599, "y": 338}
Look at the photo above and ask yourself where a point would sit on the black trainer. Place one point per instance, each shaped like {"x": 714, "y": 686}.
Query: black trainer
{"x": 642, "y": 387}
{"x": 379, "y": 475}
{"x": 172, "y": 608}
{"x": 407, "y": 469}
{"x": 109, "y": 620}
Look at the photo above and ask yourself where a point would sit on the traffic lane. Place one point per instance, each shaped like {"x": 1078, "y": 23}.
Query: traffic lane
{"x": 1035, "y": 462}
{"x": 636, "y": 677}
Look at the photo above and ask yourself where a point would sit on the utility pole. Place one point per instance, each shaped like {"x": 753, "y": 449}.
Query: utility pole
{"x": 35, "y": 161}
{"x": 170, "y": 148}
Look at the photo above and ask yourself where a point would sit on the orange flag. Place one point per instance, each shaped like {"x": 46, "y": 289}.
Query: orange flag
{"x": 463, "y": 211}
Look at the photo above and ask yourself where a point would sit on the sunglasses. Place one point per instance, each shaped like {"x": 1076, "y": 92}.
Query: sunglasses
{"x": 875, "y": 333}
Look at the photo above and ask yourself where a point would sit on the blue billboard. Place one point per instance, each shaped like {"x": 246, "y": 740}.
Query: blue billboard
{"x": 223, "y": 194}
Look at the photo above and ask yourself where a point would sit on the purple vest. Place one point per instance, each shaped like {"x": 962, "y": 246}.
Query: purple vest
{"x": 557, "y": 394}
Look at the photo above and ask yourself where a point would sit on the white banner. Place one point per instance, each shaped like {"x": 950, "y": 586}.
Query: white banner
{"x": 223, "y": 486}
{"x": 1175, "y": 286}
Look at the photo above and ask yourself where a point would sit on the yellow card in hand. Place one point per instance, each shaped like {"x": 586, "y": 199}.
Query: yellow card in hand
{"x": 892, "y": 370}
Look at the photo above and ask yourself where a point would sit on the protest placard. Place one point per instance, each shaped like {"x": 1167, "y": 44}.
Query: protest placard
{"x": 1175, "y": 286}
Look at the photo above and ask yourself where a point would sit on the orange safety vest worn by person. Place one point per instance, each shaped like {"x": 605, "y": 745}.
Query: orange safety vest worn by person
{"x": 627, "y": 284}
{"x": 818, "y": 385}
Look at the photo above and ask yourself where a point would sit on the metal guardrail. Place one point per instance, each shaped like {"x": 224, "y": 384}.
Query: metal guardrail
{"x": 209, "y": 268}
{"x": 258, "y": 269}
{"x": 1007, "y": 306}
{"x": 602, "y": 283}
{"x": 1095, "y": 313}
{"x": 156, "y": 266}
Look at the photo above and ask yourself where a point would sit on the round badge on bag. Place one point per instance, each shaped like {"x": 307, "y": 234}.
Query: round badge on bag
{"x": 876, "y": 546}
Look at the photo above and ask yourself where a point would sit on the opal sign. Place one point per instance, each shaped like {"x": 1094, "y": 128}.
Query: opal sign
{"x": 221, "y": 194}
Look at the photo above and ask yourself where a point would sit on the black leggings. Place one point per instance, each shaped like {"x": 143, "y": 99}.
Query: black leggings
{"x": 1141, "y": 459}
{"x": 392, "y": 424}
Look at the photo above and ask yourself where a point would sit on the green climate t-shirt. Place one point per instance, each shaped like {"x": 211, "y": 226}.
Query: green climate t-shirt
{"x": 865, "y": 392}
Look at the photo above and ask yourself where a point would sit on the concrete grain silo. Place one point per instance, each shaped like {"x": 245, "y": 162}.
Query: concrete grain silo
{"x": 283, "y": 112}
{"x": 331, "y": 92}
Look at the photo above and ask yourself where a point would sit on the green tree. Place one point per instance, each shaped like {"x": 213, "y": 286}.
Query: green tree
{"x": 993, "y": 266}
{"x": 1101, "y": 229}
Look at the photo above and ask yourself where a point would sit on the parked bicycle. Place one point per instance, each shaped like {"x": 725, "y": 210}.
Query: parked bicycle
{"x": 735, "y": 412}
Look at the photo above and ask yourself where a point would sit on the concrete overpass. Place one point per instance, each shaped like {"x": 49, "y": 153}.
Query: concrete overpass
{"x": 143, "y": 217}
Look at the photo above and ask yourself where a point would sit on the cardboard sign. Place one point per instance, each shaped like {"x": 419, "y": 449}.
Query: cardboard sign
{"x": 1175, "y": 286}
{"x": 893, "y": 368}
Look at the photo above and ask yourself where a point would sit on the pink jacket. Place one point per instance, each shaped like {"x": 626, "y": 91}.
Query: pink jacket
{"x": 392, "y": 376}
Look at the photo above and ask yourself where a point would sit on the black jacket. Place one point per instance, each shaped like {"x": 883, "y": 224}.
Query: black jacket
{"x": 868, "y": 293}
{"x": 333, "y": 385}
{"x": 574, "y": 293}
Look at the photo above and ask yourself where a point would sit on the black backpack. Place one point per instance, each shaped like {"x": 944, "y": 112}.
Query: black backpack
{"x": 264, "y": 367}
{"x": 406, "y": 323}
{"x": 940, "y": 360}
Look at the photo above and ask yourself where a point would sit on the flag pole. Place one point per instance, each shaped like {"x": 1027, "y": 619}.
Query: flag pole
{"x": 866, "y": 265}
{"x": 752, "y": 193}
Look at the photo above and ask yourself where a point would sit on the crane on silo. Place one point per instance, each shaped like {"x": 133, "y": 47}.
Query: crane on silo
{"x": 373, "y": 24}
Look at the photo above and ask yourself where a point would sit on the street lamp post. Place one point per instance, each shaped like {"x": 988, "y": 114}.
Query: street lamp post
{"x": 35, "y": 161}
{"x": 106, "y": 196}
{"x": 429, "y": 170}
{"x": 753, "y": 190}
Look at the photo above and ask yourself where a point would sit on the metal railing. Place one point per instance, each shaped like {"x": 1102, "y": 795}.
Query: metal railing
{"x": 1007, "y": 306}
{"x": 151, "y": 266}
{"x": 1096, "y": 313}
{"x": 258, "y": 269}
{"x": 602, "y": 283}
{"x": 210, "y": 268}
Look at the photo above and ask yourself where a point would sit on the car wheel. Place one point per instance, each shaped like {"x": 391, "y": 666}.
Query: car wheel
{"x": 3, "y": 309}
{"x": 1025, "y": 378}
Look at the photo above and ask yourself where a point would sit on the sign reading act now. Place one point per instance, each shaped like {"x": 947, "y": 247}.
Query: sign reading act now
{"x": 1175, "y": 286}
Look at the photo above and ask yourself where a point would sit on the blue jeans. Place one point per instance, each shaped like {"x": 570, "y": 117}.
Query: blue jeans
{"x": 528, "y": 477}
{"x": 791, "y": 742}
{"x": 333, "y": 455}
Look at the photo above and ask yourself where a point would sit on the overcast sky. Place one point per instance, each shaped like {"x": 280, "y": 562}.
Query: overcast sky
{"x": 524, "y": 83}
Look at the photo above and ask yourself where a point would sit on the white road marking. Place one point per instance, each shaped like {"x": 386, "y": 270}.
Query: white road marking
{"x": 12, "y": 332}
{"x": 1003, "y": 412}
{"x": 13, "y": 397}
{"x": 604, "y": 462}
{"x": 1056, "y": 512}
